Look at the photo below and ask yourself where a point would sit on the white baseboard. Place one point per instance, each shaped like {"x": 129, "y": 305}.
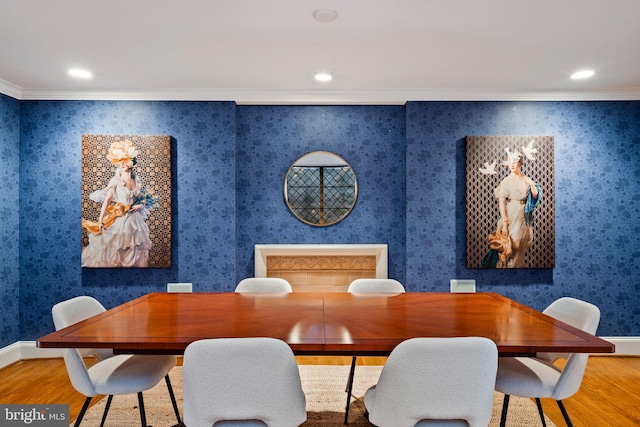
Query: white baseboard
{"x": 625, "y": 346}
{"x": 21, "y": 350}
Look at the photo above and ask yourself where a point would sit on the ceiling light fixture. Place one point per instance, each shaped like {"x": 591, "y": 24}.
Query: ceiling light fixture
{"x": 83, "y": 74}
{"x": 323, "y": 75}
{"x": 584, "y": 74}
{"x": 325, "y": 15}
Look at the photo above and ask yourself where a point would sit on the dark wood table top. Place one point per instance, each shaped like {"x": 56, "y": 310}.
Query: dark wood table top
{"x": 323, "y": 323}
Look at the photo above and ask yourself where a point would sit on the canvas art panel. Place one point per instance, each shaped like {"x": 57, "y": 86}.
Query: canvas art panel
{"x": 126, "y": 201}
{"x": 510, "y": 202}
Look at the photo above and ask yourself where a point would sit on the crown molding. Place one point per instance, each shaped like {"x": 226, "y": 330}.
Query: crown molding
{"x": 8, "y": 89}
{"x": 321, "y": 97}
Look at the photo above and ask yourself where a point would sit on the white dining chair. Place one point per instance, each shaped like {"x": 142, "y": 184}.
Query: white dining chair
{"x": 538, "y": 377}
{"x": 264, "y": 285}
{"x": 242, "y": 381}
{"x": 372, "y": 286}
{"x": 367, "y": 286}
{"x": 112, "y": 374}
{"x": 435, "y": 382}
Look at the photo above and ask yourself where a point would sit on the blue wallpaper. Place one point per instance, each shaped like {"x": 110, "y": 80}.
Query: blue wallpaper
{"x": 597, "y": 167}
{"x": 229, "y": 164}
{"x": 9, "y": 220}
{"x": 370, "y": 138}
{"x": 204, "y": 210}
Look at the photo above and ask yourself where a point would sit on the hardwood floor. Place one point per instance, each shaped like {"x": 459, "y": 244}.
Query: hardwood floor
{"x": 609, "y": 396}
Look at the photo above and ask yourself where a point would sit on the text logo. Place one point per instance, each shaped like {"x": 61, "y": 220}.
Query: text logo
{"x": 34, "y": 415}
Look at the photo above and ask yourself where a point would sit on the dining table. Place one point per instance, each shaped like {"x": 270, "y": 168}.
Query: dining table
{"x": 332, "y": 323}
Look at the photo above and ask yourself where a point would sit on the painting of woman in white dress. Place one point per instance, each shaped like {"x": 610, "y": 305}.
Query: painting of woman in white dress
{"x": 119, "y": 236}
{"x": 517, "y": 197}
{"x": 513, "y": 219}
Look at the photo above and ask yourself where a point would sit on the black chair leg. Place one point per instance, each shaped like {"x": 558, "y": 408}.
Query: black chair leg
{"x": 351, "y": 372}
{"x": 565, "y": 414}
{"x": 106, "y": 410}
{"x": 539, "y": 405}
{"x": 82, "y": 412}
{"x": 349, "y": 389}
{"x": 143, "y": 417}
{"x": 173, "y": 398}
{"x": 505, "y": 408}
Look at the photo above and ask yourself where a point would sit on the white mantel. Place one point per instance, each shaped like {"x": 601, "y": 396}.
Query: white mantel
{"x": 380, "y": 252}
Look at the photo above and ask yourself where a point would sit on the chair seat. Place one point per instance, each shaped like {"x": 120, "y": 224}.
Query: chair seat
{"x": 242, "y": 382}
{"x": 123, "y": 374}
{"x": 112, "y": 374}
{"x": 435, "y": 380}
{"x": 537, "y": 377}
{"x": 526, "y": 377}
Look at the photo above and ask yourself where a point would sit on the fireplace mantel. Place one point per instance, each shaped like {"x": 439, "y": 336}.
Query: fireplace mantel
{"x": 379, "y": 251}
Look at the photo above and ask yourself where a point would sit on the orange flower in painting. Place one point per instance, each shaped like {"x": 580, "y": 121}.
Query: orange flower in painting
{"x": 122, "y": 151}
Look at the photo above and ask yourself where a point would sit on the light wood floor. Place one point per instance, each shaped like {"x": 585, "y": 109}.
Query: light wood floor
{"x": 609, "y": 396}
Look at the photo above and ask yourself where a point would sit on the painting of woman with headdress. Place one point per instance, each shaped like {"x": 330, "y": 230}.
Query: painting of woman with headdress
{"x": 116, "y": 225}
{"x": 516, "y": 228}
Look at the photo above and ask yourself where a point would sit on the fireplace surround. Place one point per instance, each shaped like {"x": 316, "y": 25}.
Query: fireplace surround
{"x": 321, "y": 267}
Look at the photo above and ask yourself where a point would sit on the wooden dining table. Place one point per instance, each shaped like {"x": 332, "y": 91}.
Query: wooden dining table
{"x": 323, "y": 323}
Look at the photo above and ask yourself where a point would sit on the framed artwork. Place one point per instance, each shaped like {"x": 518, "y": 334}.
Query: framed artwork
{"x": 510, "y": 202}
{"x": 126, "y": 201}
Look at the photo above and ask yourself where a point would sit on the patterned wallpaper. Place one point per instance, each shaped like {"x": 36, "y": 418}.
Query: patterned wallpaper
{"x": 370, "y": 138}
{"x": 229, "y": 166}
{"x": 204, "y": 210}
{"x": 9, "y": 219}
{"x": 597, "y": 164}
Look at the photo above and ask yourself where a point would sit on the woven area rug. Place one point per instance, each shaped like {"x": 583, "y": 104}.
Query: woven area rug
{"x": 323, "y": 386}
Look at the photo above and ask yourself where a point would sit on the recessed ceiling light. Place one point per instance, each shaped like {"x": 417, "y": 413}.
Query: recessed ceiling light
{"x": 323, "y": 75}
{"x": 325, "y": 15}
{"x": 584, "y": 74}
{"x": 76, "y": 72}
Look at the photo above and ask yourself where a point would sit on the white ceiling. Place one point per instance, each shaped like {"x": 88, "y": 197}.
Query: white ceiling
{"x": 265, "y": 51}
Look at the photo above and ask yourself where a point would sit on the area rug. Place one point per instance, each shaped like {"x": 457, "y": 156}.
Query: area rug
{"x": 324, "y": 387}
